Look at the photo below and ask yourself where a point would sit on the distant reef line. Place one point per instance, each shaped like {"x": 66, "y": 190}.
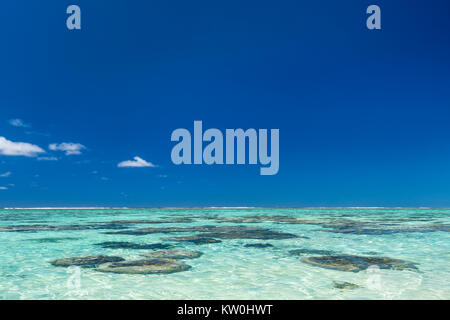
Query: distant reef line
{"x": 209, "y": 207}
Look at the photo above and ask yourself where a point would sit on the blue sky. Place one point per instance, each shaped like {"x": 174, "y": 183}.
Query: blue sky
{"x": 363, "y": 115}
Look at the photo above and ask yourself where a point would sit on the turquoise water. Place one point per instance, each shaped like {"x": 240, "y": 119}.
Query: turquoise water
{"x": 31, "y": 239}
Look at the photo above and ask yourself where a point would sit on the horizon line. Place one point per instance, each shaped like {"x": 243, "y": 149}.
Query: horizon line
{"x": 216, "y": 207}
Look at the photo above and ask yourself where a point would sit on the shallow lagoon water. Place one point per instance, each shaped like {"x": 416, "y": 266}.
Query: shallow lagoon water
{"x": 31, "y": 239}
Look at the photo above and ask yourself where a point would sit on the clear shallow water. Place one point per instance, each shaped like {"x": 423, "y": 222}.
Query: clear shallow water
{"x": 229, "y": 270}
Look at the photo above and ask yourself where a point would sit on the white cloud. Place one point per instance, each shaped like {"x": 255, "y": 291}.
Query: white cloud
{"x": 10, "y": 148}
{"x": 18, "y": 123}
{"x": 3, "y": 188}
{"x": 67, "y": 147}
{"x": 136, "y": 163}
{"x": 5, "y": 175}
{"x": 47, "y": 159}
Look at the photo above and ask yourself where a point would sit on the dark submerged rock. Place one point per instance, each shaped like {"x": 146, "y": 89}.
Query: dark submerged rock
{"x": 173, "y": 254}
{"x": 198, "y": 240}
{"x": 35, "y": 228}
{"x": 263, "y": 234}
{"x": 145, "y": 266}
{"x": 305, "y": 252}
{"x": 258, "y": 245}
{"x": 108, "y": 226}
{"x": 371, "y": 253}
{"x": 85, "y": 261}
{"x": 53, "y": 240}
{"x": 264, "y": 218}
{"x": 380, "y": 228}
{"x": 130, "y": 245}
{"x": 237, "y": 233}
{"x": 358, "y": 263}
{"x": 347, "y": 226}
{"x": 345, "y": 285}
{"x": 208, "y": 228}
{"x": 170, "y": 220}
